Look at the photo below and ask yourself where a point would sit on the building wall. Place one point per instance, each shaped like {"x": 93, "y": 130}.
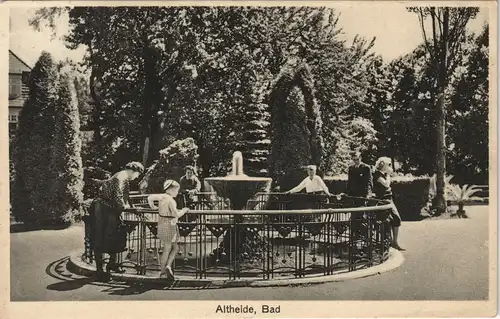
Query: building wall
{"x": 18, "y": 93}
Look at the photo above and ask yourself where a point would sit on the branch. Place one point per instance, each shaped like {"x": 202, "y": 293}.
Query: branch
{"x": 422, "y": 26}
{"x": 433, "y": 16}
{"x": 455, "y": 35}
{"x": 440, "y": 22}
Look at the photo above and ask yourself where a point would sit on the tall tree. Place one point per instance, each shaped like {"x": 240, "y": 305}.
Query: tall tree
{"x": 448, "y": 27}
{"x": 31, "y": 196}
{"x": 66, "y": 162}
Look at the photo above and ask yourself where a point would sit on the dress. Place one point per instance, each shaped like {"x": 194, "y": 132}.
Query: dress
{"x": 168, "y": 232}
{"x": 383, "y": 192}
{"x": 108, "y": 235}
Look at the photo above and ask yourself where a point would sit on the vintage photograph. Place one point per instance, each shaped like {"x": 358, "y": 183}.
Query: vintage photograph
{"x": 279, "y": 152}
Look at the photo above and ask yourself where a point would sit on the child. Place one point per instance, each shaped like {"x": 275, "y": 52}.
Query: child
{"x": 168, "y": 232}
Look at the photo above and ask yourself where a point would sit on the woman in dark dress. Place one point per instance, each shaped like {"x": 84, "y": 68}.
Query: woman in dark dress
{"x": 382, "y": 190}
{"x": 105, "y": 213}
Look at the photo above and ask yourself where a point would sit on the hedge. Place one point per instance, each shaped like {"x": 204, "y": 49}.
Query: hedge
{"x": 411, "y": 193}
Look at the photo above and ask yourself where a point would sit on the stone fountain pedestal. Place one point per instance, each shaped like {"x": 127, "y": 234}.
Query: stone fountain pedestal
{"x": 238, "y": 188}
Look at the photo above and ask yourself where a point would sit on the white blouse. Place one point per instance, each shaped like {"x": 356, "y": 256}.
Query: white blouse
{"x": 167, "y": 207}
{"x": 315, "y": 184}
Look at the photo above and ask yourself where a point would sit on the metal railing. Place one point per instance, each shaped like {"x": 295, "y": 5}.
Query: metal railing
{"x": 274, "y": 236}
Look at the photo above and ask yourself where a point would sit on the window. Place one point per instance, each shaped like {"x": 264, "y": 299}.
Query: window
{"x": 14, "y": 86}
{"x": 25, "y": 78}
{"x": 13, "y": 118}
{"x": 12, "y": 129}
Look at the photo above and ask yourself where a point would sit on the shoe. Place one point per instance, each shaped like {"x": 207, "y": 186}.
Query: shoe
{"x": 397, "y": 247}
{"x": 102, "y": 276}
{"x": 114, "y": 268}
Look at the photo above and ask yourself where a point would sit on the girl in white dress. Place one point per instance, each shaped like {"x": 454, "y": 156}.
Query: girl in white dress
{"x": 168, "y": 233}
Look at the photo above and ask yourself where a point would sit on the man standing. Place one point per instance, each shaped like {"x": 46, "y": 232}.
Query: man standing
{"x": 359, "y": 182}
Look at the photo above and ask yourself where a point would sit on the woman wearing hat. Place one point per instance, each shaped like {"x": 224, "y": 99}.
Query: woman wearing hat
{"x": 105, "y": 213}
{"x": 168, "y": 232}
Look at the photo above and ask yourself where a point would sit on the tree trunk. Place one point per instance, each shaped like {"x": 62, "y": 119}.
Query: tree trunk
{"x": 145, "y": 152}
{"x": 152, "y": 99}
{"x": 96, "y": 111}
{"x": 440, "y": 201}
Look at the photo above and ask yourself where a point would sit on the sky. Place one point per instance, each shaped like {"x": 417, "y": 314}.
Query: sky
{"x": 397, "y": 31}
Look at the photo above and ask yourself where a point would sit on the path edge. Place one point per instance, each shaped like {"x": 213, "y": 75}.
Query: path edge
{"x": 396, "y": 259}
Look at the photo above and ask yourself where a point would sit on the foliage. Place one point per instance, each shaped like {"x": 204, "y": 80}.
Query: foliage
{"x": 92, "y": 176}
{"x": 468, "y": 131}
{"x": 30, "y": 195}
{"x": 48, "y": 169}
{"x": 464, "y": 193}
{"x": 410, "y": 196}
{"x": 433, "y": 187}
{"x": 171, "y": 165}
{"x": 448, "y": 29}
{"x": 411, "y": 193}
{"x": 255, "y": 143}
{"x": 66, "y": 161}
{"x": 161, "y": 74}
{"x": 295, "y": 127}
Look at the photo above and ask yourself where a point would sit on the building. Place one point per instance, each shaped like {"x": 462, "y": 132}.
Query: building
{"x": 19, "y": 73}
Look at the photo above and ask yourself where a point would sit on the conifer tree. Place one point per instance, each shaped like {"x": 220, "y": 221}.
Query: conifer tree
{"x": 66, "y": 159}
{"x": 30, "y": 196}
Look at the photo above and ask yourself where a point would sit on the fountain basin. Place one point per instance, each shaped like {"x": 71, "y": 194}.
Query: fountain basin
{"x": 239, "y": 188}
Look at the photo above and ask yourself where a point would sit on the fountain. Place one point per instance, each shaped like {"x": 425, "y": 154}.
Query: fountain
{"x": 250, "y": 241}
{"x": 238, "y": 188}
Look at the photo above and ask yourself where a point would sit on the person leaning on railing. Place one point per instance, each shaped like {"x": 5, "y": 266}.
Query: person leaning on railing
{"x": 313, "y": 185}
{"x": 107, "y": 235}
{"x": 168, "y": 232}
{"x": 190, "y": 185}
{"x": 382, "y": 190}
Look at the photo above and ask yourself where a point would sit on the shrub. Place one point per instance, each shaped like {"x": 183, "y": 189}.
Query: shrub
{"x": 171, "y": 165}
{"x": 411, "y": 193}
{"x": 336, "y": 184}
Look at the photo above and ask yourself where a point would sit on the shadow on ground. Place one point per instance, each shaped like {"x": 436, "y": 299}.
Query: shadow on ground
{"x": 69, "y": 281}
{"x": 21, "y": 228}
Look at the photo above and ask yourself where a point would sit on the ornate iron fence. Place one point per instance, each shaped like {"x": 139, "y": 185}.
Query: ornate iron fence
{"x": 273, "y": 237}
